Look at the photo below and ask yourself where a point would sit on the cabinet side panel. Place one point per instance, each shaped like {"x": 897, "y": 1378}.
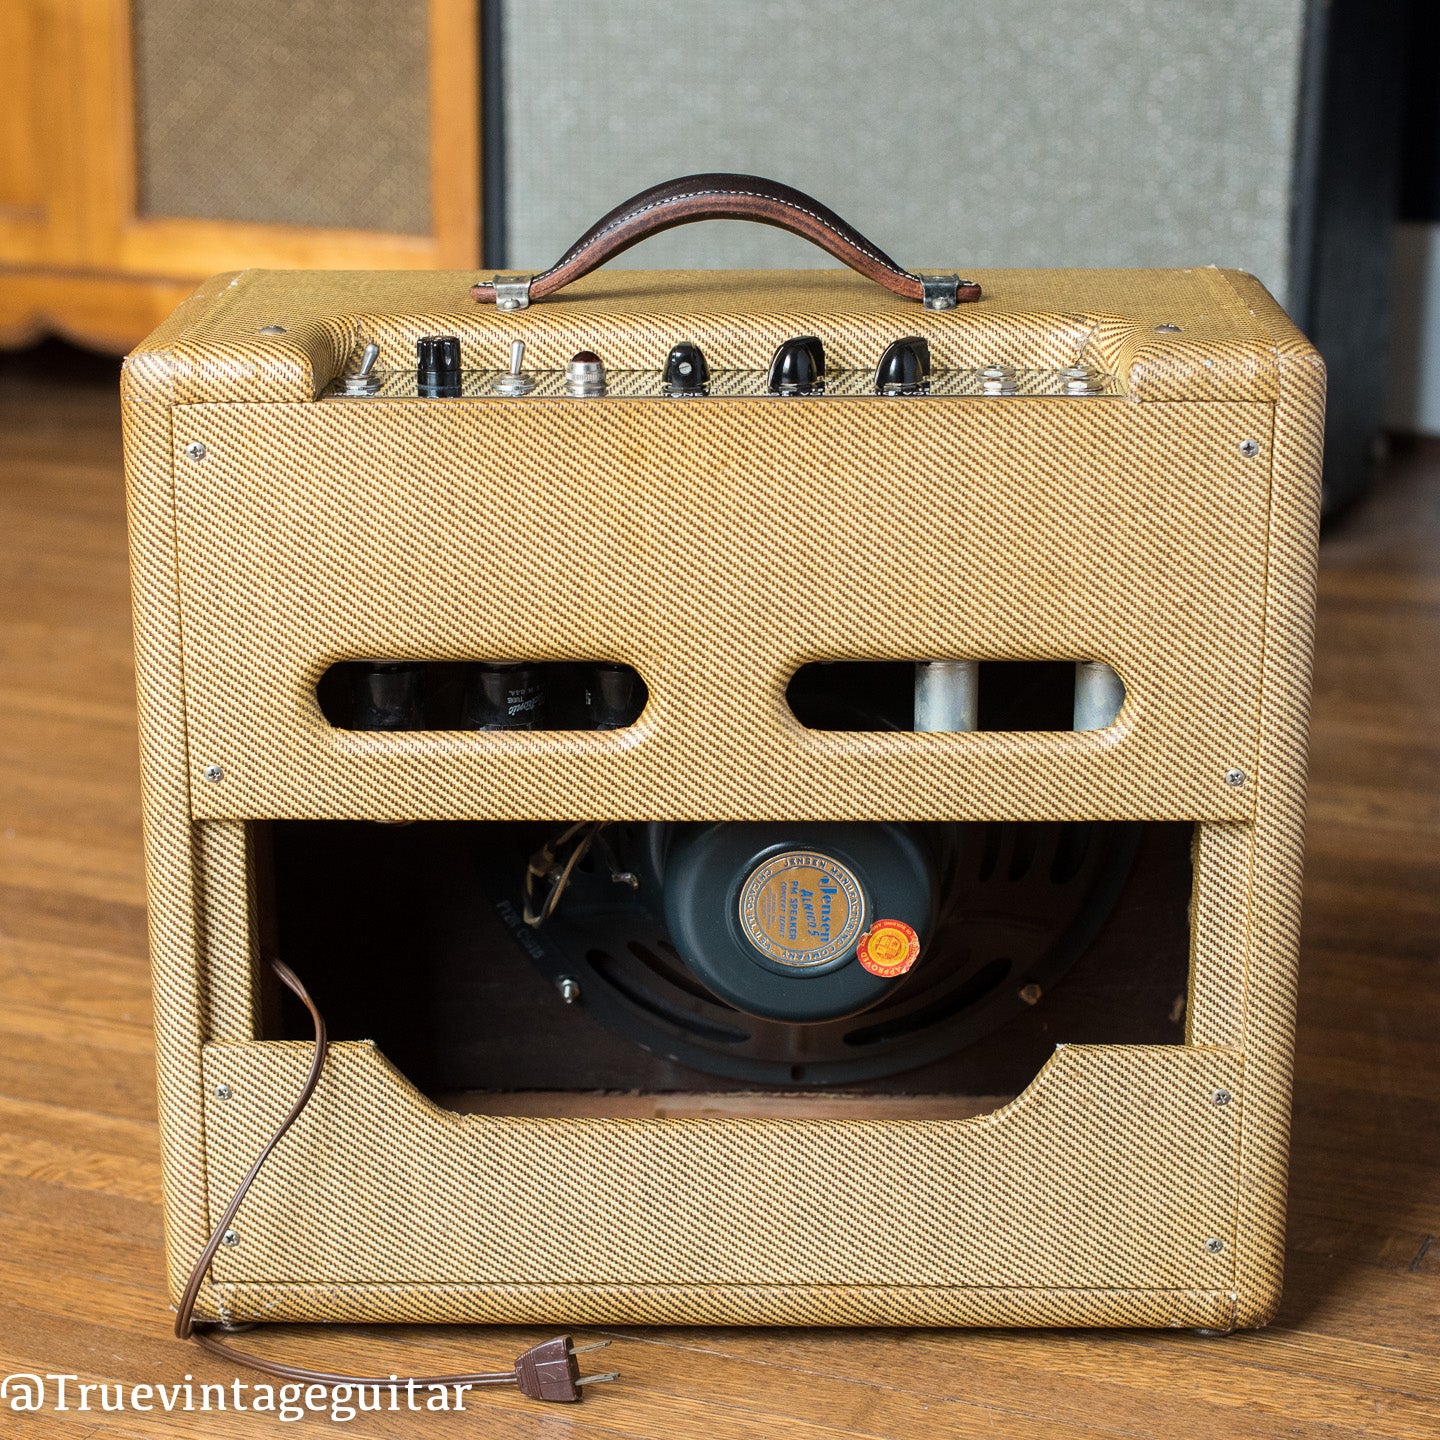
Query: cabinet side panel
{"x": 1272, "y": 967}
{"x": 169, "y": 835}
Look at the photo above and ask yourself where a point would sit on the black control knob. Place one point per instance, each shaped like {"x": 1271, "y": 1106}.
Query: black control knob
{"x": 686, "y": 372}
{"x": 437, "y": 370}
{"x": 798, "y": 367}
{"x": 904, "y": 368}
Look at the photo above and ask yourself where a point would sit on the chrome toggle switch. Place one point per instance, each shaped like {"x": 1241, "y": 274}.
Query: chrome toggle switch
{"x": 514, "y": 382}
{"x": 362, "y": 379}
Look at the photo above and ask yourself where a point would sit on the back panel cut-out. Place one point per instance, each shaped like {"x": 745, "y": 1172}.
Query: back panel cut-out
{"x": 481, "y": 695}
{"x": 953, "y": 695}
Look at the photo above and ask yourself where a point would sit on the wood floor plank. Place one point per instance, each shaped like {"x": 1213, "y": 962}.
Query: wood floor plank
{"x": 1075, "y": 1380}
{"x": 111, "y": 984}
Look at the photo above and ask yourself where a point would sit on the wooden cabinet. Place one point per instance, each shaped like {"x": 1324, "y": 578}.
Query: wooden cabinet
{"x": 147, "y": 144}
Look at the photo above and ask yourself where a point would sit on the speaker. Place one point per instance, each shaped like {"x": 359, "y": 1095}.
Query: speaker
{"x": 307, "y": 114}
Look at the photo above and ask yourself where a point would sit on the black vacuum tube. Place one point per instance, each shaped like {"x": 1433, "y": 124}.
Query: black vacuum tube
{"x": 504, "y": 696}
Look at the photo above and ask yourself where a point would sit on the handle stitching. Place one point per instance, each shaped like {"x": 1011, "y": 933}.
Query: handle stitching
{"x": 743, "y": 194}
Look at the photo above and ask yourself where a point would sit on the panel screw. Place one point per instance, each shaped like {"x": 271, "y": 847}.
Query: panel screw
{"x": 231, "y": 1238}
{"x": 1031, "y": 994}
{"x": 1167, "y": 329}
{"x": 569, "y": 990}
{"x": 195, "y": 450}
{"x": 1221, "y": 1097}
{"x": 1249, "y": 448}
{"x": 214, "y": 774}
{"x": 1214, "y": 1246}
{"x": 223, "y": 1092}
{"x": 272, "y": 329}
{"x": 1234, "y": 777}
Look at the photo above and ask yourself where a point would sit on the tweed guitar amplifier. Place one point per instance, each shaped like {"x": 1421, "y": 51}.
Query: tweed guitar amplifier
{"x": 786, "y": 786}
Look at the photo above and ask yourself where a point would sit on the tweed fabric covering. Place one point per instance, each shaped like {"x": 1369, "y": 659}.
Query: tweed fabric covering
{"x": 601, "y": 1205}
{"x": 1029, "y": 319}
{"x": 1269, "y": 990}
{"x": 1224, "y": 864}
{"x": 717, "y": 548}
{"x": 228, "y": 929}
{"x": 1197, "y": 562}
{"x": 724, "y": 1305}
{"x": 170, "y": 839}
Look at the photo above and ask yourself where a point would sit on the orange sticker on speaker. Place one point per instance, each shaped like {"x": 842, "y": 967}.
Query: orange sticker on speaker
{"x": 888, "y": 948}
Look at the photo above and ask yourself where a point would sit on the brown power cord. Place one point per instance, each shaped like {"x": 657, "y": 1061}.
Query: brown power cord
{"x": 546, "y": 1372}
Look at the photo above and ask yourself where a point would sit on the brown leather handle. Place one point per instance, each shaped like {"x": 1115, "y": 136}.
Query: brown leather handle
{"x": 723, "y": 197}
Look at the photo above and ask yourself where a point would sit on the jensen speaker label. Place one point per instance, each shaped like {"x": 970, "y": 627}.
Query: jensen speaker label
{"x": 802, "y": 908}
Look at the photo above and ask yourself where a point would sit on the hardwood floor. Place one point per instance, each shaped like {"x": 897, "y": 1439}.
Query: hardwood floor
{"x": 1356, "y": 1350}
